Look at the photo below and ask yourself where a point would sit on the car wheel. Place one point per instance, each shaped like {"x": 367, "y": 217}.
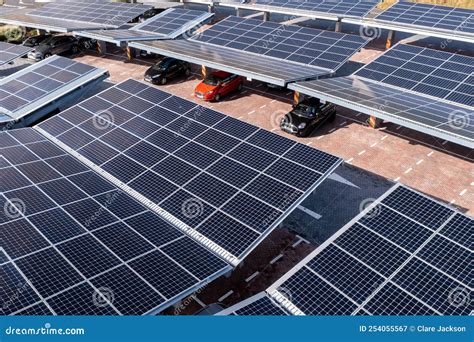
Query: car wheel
{"x": 163, "y": 81}
{"x": 47, "y": 55}
{"x": 305, "y": 133}
{"x": 217, "y": 98}
{"x": 332, "y": 117}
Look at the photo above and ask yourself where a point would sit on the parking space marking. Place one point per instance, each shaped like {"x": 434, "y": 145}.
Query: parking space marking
{"x": 419, "y": 162}
{"x": 361, "y": 152}
{"x": 273, "y": 129}
{"x": 384, "y": 137}
{"x": 430, "y": 154}
{"x": 225, "y": 296}
{"x": 408, "y": 170}
{"x": 331, "y": 130}
{"x": 309, "y": 212}
{"x": 342, "y": 123}
{"x": 452, "y": 201}
{"x": 275, "y": 259}
{"x": 309, "y": 143}
{"x": 463, "y": 192}
{"x": 320, "y": 137}
{"x": 373, "y": 145}
{"x": 252, "y": 276}
{"x": 396, "y": 179}
{"x": 349, "y": 160}
{"x": 250, "y": 113}
{"x": 444, "y": 142}
{"x": 263, "y": 106}
{"x": 200, "y": 302}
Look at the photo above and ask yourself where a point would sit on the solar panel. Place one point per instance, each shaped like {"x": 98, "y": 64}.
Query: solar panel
{"x": 293, "y": 43}
{"x": 436, "y": 73}
{"x": 74, "y": 244}
{"x": 9, "y": 52}
{"x": 203, "y": 196}
{"x": 39, "y": 84}
{"x": 104, "y": 13}
{"x": 167, "y": 25}
{"x": 423, "y": 89}
{"x": 353, "y": 8}
{"x": 431, "y": 16}
{"x": 395, "y": 258}
{"x": 8, "y": 9}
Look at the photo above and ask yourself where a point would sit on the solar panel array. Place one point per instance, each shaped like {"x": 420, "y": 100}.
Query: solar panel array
{"x": 170, "y": 21}
{"x": 406, "y": 255}
{"x": 8, "y": 9}
{"x": 104, "y": 13}
{"x": 432, "y": 16}
{"x": 286, "y": 42}
{"x": 354, "y": 8}
{"x": 436, "y": 73}
{"x": 236, "y": 181}
{"x": 74, "y": 244}
{"x": 9, "y": 52}
{"x": 40, "y": 81}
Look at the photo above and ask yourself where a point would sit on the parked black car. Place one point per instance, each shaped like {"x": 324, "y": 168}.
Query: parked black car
{"x": 307, "y": 116}
{"x": 87, "y": 43}
{"x": 166, "y": 69}
{"x": 54, "y": 45}
{"x": 36, "y": 40}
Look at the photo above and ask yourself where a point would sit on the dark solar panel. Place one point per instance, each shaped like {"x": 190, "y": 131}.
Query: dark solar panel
{"x": 205, "y": 190}
{"x": 9, "y": 52}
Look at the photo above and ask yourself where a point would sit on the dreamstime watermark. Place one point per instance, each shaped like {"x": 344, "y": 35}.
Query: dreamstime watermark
{"x": 459, "y": 119}
{"x": 279, "y": 117}
{"x": 286, "y": 293}
{"x": 461, "y": 28}
{"x": 192, "y": 207}
{"x": 14, "y": 208}
{"x": 46, "y": 330}
{"x": 369, "y": 32}
{"x": 103, "y": 296}
{"x": 187, "y": 301}
{"x": 373, "y": 212}
{"x": 287, "y": 200}
{"x": 110, "y": 199}
{"x": 103, "y": 120}
{"x": 459, "y": 297}
{"x": 20, "y": 288}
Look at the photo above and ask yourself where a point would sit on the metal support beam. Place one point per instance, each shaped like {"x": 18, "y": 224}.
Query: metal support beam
{"x": 238, "y": 12}
{"x": 374, "y": 122}
{"x": 338, "y": 27}
{"x": 390, "y": 39}
{"x": 204, "y": 71}
{"x": 130, "y": 53}
{"x": 101, "y": 47}
{"x": 210, "y": 8}
{"x": 297, "y": 97}
{"x": 266, "y": 16}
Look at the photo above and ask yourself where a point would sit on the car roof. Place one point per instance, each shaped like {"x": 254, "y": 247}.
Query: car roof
{"x": 221, "y": 74}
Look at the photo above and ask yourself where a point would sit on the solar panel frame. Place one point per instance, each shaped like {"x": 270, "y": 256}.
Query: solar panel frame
{"x": 76, "y": 255}
{"x": 10, "y": 52}
{"x": 170, "y": 142}
{"x": 47, "y": 89}
{"x": 387, "y": 287}
{"x": 258, "y": 305}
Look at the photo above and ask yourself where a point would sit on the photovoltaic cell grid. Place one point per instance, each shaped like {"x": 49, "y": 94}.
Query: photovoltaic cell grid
{"x": 287, "y": 42}
{"x": 397, "y": 258}
{"x": 9, "y": 52}
{"x": 353, "y": 8}
{"x": 432, "y": 16}
{"x": 436, "y": 73}
{"x": 39, "y": 81}
{"x": 70, "y": 235}
{"x": 170, "y": 21}
{"x": 104, "y": 13}
{"x": 8, "y": 9}
{"x": 226, "y": 179}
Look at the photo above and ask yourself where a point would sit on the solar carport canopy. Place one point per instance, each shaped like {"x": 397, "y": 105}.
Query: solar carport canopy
{"x": 425, "y": 19}
{"x": 324, "y": 9}
{"x": 166, "y": 25}
{"x": 36, "y": 86}
{"x": 10, "y": 52}
{"x": 423, "y": 89}
{"x": 225, "y": 183}
{"x": 404, "y": 255}
{"x": 74, "y": 16}
{"x": 78, "y": 245}
{"x": 266, "y": 51}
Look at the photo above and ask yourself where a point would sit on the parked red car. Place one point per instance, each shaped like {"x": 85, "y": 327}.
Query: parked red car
{"x": 218, "y": 84}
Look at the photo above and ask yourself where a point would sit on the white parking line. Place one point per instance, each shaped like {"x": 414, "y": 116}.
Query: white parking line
{"x": 444, "y": 142}
{"x": 384, "y": 137}
{"x": 250, "y": 113}
{"x": 408, "y": 170}
{"x": 396, "y": 179}
{"x": 252, "y": 276}
{"x": 463, "y": 192}
{"x": 452, "y": 201}
{"x": 361, "y": 152}
{"x": 309, "y": 143}
{"x": 342, "y": 123}
{"x": 419, "y": 162}
{"x": 349, "y": 160}
{"x": 275, "y": 259}
{"x": 261, "y": 107}
{"x": 430, "y": 154}
{"x": 331, "y": 130}
{"x": 373, "y": 144}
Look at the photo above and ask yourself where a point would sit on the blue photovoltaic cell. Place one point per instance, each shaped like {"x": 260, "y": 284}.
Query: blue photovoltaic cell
{"x": 9, "y": 52}
{"x": 231, "y": 170}
{"x": 440, "y": 74}
{"x": 288, "y": 42}
{"x": 69, "y": 229}
{"x": 430, "y": 16}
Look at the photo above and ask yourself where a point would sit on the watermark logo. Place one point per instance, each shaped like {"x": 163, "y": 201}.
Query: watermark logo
{"x": 103, "y": 296}
{"x": 279, "y": 117}
{"x": 103, "y": 120}
{"x": 459, "y": 297}
{"x": 458, "y": 119}
{"x": 368, "y": 32}
{"x": 192, "y": 208}
{"x": 286, "y": 293}
{"x": 14, "y": 208}
{"x": 373, "y": 212}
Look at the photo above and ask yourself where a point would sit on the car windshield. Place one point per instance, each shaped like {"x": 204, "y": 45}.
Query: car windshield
{"x": 211, "y": 80}
{"x": 162, "y": 65}
{"x": 305, "y": 110}
{"x": 47, "y": 41}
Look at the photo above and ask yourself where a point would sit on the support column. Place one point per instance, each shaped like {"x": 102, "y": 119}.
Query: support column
{"x": 185, "y": 4}
{"x": 266, "y": 16}
{"x": 338, "y": 26}
{"x": 101, "y": 47}
{"x": 204, "y": 71}
{"x": 238, "y": 11}
{"x": 374, "y": 122}
{"x": 390, "y": 39}
{"x": 130, "y": 53}
{"x": 297, "y": 97}
{"x": 210, "y": 8}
